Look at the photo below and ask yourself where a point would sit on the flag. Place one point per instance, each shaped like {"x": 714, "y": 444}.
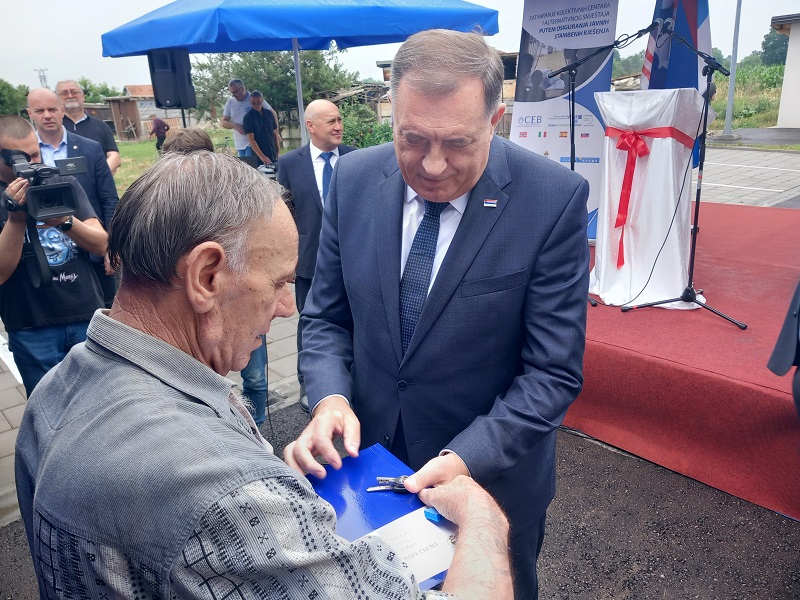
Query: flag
{"x": 668, "y": 64}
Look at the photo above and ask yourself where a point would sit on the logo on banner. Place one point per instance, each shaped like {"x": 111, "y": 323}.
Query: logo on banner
{"x": 542, "y": 134}
{"x": 523, "y": 134}
{"x": 584, "y": 135}
{"x": 562, "y": 134}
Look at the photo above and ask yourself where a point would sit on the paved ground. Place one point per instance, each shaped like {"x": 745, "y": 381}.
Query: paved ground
{"x": 621, "y": 527}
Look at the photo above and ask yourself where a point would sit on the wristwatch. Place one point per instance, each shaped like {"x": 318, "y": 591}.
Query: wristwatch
{"x": 66, "y": 225}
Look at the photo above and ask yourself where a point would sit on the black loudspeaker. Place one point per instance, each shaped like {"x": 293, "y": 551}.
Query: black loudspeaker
{"x": 171, "y": 74}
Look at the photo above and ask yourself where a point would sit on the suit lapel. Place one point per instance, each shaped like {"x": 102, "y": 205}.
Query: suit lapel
{"x": 476, "y": 224}
{"x": 307, "y": 167}
{"x": 73, "y": 147}
{"x": 388, "y": 246}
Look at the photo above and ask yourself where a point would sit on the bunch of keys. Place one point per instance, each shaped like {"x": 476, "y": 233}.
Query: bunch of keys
{"x": 390, "y": 484}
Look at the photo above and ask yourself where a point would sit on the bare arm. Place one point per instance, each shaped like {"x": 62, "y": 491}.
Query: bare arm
{"x": 114, "y": 161}
{"x": 226, "y": 123}
{"x": 13, "y": 234}
{"x": 480, "y": 567}
{"x": 88, "y": 234}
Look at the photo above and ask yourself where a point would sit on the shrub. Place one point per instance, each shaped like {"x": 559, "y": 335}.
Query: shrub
{"x": 361, "y": 126}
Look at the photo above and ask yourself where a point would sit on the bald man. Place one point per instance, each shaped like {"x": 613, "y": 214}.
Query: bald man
{"x": 305, "y": 172}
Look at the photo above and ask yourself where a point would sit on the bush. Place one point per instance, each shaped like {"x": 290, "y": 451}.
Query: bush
{"x": 361, "y": 127}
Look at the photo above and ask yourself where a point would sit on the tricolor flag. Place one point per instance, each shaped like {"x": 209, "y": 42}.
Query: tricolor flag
{"x": 523, "y": 134}
{"x": 490, "y": 203}
{"x": 668, "y": 64}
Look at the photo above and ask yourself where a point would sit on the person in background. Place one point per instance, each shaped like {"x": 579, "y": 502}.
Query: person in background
{"x": 306, "y": 172}
{"x": 77, "y": 121}
{"x": 787, "y": 349}
{"x": 188, "y": 140}
{"x": 138, "y": 466}
{"x": 159, "y": 129}
{"x": 261, "y": 129}
{"x": 55, "y": 142}
{"x": 44, "y": 323}
{"x": 237, "y": 106}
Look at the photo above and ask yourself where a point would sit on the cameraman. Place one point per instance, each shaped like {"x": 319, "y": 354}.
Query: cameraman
{"x": 43, "y": 324}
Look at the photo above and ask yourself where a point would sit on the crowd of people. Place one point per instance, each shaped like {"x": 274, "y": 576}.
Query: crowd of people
{"x": 436, "y": 320}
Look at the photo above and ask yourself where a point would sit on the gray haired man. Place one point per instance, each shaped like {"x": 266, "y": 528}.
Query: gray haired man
{"x": 140, "y": 474}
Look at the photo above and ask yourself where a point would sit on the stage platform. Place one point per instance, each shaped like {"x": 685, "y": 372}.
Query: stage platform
{"x": 690, "y": 391}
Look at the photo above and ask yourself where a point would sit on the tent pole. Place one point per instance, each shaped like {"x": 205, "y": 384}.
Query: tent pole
{"x": 299, "y": 86}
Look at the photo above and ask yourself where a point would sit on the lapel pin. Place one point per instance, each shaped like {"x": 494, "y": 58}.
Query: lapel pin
{"x": 490, "y": 203}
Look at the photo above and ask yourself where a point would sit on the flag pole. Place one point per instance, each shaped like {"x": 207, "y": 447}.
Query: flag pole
{"x": 726, "y": 132}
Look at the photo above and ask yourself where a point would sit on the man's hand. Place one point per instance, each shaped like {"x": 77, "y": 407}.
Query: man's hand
{"x": 437, "y": 471}
{"x": 107, "y": 264}
{"x": 333, "y": 418}
{"x": 16, "y": 191}
{"x": 238, "y": 127}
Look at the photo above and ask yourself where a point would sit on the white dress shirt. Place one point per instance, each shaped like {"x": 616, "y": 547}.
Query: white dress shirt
{"x": 319, "y": 164}
{"x": 413, "y": 211}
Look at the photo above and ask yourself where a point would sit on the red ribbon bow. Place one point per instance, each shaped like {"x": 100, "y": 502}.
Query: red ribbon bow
{"x": 632, "y": 143}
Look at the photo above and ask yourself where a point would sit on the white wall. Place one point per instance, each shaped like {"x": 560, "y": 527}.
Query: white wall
{"x": 789, "y": 111}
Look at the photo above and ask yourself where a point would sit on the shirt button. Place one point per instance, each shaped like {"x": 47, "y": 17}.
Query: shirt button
{"x": 402, "y": 385}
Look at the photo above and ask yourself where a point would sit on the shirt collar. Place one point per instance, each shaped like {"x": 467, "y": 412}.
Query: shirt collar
{"x": 162, "y": 360}
{"x": 83, "y": 118}
{"x": 315, "y": 152}
{"x": 63, "y": 141}
{"x": 460, "y": 203}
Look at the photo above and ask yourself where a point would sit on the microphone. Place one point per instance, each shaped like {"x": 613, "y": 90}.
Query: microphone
{"x": 667, "y": 28}
{"x": 650, "y": 28}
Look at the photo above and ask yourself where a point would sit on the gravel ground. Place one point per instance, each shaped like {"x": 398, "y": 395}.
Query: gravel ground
{"x": 620, "y": 528}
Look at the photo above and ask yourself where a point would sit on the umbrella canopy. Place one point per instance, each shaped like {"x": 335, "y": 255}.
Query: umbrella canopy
{"x": 208, "y": 26}
{"x": 261, "y": 25}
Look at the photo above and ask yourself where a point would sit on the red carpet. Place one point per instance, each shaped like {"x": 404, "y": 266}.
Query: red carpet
{"x": 690, "y": 391}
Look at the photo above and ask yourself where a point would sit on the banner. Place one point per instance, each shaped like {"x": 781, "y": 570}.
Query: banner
{"x": 556, "y": 33}
{"x": 668, "y": 64}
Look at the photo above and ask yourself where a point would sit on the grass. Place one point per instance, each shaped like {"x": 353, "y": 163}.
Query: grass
{"x": 136, "y": 158}
{"x": 755, "y": 100}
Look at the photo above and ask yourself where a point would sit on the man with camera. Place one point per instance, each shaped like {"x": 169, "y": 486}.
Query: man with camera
{"x": 43, "y": 322}
{"x": 47, "y": 112}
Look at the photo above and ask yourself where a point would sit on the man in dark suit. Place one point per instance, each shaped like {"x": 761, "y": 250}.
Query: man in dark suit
{"x": 476, "y": 377}
{"x": 306, "y": 173}
{"x": 787, "y": 349}
{"x": 55, "y": 141}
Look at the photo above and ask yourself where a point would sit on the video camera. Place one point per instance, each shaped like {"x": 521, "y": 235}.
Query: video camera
{"x": 44, "y": 201}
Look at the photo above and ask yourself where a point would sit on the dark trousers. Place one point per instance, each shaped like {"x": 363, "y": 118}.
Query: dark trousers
{"x": 160, "y": 142}
{"x": 525, "y": 548}
{"x": 301, "y": 289}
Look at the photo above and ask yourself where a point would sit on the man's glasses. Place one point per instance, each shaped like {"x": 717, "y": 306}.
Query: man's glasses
{"x": 68, "y": 93}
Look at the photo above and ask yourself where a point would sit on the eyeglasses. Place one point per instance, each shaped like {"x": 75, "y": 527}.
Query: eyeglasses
{"x": 68, "y": 93}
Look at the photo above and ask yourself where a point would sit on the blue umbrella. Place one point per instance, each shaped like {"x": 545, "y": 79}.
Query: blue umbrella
{"x": 208, "y": 26}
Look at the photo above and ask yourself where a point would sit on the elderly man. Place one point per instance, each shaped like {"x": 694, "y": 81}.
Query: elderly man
{"x": 47, "y": 112}
{"x": 306, "y": 172}
{"x": 261, "y": 130}
{"x": 44, "y": 323}
{"x": 140, "y": 472}
{"x": 77, "y": 121}
{"x": 446, "y": 319}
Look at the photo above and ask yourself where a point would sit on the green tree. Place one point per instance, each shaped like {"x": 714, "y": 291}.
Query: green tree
{"x": 630, "y": 65}
{"x": 361, "y": 127}
{"x": 12, "y": 99}
{"x": 774, "y": 46}
{"x": 272, "y": 73}
{"x": 751, "y": 60}
{"x": 725, "y": 61}
{"x": 97, "y": 92}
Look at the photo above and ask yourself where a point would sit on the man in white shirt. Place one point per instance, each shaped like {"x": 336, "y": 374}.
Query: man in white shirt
{"x": 237, "y": 106}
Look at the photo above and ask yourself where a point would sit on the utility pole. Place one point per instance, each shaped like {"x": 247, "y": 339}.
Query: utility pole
{"x": 727, "y": 136}
{"x": 42, "y": 77}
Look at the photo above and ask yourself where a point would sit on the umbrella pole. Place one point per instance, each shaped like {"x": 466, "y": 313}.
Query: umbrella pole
{"x": 299, "y": 86}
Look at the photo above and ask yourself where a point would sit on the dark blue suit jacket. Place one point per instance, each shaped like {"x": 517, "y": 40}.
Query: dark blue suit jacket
{"x": 296, "y": 174}
{"x": 97, "y": 182}
{"x": 497, "y": 354}
{"x": 787, "y": 349}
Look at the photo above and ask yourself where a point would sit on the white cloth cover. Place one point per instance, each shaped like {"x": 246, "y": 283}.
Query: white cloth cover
{"x": 661, "y": 188}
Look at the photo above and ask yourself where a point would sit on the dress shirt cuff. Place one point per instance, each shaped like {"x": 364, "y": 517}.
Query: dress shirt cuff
{"x": 447, "y": 451}
{"x": 342, "y": 396}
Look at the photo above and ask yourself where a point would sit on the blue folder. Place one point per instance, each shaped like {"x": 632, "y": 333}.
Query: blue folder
{"x": 359, "y": 512}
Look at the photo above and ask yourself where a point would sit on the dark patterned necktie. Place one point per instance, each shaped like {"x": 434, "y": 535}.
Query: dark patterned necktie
{"x": 327, "y": 171}
{"x": 417, "y": 274}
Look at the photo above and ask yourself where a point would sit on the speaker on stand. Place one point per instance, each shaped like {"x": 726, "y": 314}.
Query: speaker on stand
{"x": 171, "y": 75}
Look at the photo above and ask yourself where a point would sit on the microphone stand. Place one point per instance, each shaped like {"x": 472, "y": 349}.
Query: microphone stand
{"x": 689, "y": 293}
{"x": 572, "y": 69}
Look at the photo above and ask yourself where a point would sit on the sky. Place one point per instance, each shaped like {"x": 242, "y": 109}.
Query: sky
{"x": 72, "y": 48}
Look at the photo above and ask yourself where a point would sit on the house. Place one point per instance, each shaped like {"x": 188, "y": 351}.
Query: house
{"x": 131, "y": 113}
